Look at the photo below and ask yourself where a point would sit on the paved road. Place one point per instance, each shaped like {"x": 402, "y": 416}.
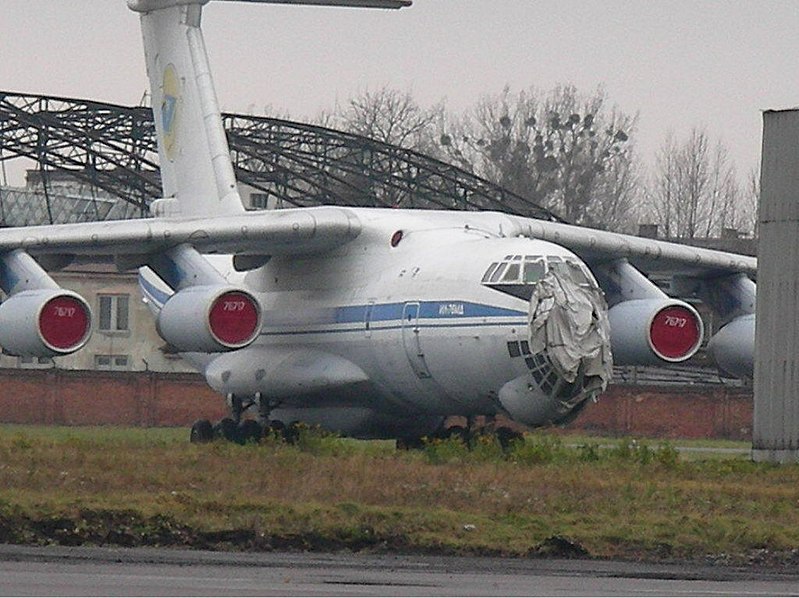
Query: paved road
{"x": 117, "y": 572}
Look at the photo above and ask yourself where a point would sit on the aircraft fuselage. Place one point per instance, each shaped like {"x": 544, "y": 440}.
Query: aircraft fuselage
{"x": 398, "y": 322}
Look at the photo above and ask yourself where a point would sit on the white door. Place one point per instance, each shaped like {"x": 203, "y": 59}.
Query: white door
{"x": 411, "y": 340}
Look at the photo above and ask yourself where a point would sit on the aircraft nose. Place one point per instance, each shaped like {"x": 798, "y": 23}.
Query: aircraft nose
{"x": 569, "y": 337}
{"x": 568, "y": 320}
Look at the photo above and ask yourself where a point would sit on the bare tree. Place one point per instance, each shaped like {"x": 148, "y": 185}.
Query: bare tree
{"x": 692, "y": 183}
{"x": 695, "y": 192}
{"x": 562, "y": 150}
{"x": 663, "y": 196}
{"x": 390, "y": 116}
{"x": 750, "y": 202}
{"x": 617, "y": 197}
{"x": 723, "y": 193}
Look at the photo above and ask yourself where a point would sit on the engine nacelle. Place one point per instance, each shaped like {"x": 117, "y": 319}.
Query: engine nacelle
{"x": 654, "y": 331}
{"x": 44, "y": 323}
{"x": 733, "y": 347}
{"x": 210, "y": 319}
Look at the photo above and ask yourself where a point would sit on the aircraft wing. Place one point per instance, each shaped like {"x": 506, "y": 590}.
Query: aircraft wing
{"x": 649, "y": 255}
{"x": 344, "y": 3}
{"x": 284, "y": 232}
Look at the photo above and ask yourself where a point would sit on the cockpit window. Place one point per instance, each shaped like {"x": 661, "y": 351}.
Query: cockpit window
{"x": 523, "y": 272}
{"x": 489, "y": 272}
{"x": 512, "y": 273}
{"x": 533, "y": 271}
{"x": 571, "y": 268}
{"x": 558, "y": 266}
{"x": 497, "y": 273}
{"x": 580, "y": 274}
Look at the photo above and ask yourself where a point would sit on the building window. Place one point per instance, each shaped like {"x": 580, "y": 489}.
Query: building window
{"x": 259, "y": 201}
{"x": 114, "y": 313}
{"x": 111, "y": 362}
{"x": 34, "y": 362}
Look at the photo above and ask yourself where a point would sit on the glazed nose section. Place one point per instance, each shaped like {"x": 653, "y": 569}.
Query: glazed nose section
{"x": 571, "y": 361}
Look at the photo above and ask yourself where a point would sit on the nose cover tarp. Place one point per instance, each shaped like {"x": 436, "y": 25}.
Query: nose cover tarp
{"x": 568, "y": 319}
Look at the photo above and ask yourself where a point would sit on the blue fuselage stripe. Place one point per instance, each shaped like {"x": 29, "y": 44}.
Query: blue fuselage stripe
{"x": 380, "y": 316}
{"x": 150, "y": 290}
{"x": 394, "y": 316}
{"x": 382, "y": 312}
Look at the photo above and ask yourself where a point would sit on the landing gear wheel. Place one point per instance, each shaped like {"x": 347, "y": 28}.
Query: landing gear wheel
{"x": 250, "y": 431}
{"x": 291, "y": 433}
{"x": 410, "y": 443}
{"x": 226, "y": 429}
{"x": 508, "y": 437}
{"x": 458, "y": 432}
{"x": 277, "y": 429}
{"x": 201, "y": 431}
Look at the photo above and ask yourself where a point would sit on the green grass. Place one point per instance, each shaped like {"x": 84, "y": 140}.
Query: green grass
{"x": 609, "y": 497}
{"x": 712, "y": 443}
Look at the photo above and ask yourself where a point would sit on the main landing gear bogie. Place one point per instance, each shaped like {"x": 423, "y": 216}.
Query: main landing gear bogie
{"x": 469, "y": 436}
{"x": 247, "y": 430}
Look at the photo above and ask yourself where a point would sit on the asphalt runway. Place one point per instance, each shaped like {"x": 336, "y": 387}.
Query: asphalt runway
{"x": 62, "y": 571}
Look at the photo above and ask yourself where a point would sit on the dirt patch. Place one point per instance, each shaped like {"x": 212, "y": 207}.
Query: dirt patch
{"x": 558, "y": 547}
{"x": 130, "y": 529}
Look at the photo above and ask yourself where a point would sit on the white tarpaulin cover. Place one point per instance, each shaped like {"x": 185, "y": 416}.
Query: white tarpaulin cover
{"x": 568, "y": 319}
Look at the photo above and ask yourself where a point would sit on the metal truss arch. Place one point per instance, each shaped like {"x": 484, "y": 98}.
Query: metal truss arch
{"x": 113, "y": 148}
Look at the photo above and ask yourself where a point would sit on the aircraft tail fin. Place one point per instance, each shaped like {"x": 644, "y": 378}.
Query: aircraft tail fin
{"x": 196, "y": 172}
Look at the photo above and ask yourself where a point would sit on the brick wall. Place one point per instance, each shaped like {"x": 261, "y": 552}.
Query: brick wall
{"x": 71, "y": 397}
{"x": 670, "y": 412}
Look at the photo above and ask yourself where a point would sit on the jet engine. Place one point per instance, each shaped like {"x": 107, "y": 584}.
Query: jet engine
{"x": 210, "y": 319}
{"x": 653, "y": 331}
{"x": 733, "y": 347}
{"x": 733, "y": 301}
{"x": 44, "y": 323}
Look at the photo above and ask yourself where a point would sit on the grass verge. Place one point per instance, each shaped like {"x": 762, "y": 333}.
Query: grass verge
{"x": 548, "y": 495}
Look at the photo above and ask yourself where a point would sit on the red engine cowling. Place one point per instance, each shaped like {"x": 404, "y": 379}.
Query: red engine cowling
{"x": 44, "y": 323}
{"x": 210, "y": 319}
{"x": 654, "y": 331}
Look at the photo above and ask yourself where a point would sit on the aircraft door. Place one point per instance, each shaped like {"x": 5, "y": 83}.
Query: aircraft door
{"x": 411, "y": 341}
{"x": 367, "y": 318}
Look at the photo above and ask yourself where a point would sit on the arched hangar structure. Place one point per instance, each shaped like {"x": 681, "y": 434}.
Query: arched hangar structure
{"x": 113, "y": 148}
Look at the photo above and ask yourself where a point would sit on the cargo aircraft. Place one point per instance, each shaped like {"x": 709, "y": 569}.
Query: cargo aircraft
{"x": 374, "y": 323}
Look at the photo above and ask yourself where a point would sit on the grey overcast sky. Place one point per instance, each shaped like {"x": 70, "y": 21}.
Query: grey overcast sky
{"x": 677, "y": 63}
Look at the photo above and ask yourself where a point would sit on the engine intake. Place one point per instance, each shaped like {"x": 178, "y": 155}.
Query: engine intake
{"x": 210, "y": 319}
{"x": 654, "y": 331}
{"x": 44, "y": 323}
